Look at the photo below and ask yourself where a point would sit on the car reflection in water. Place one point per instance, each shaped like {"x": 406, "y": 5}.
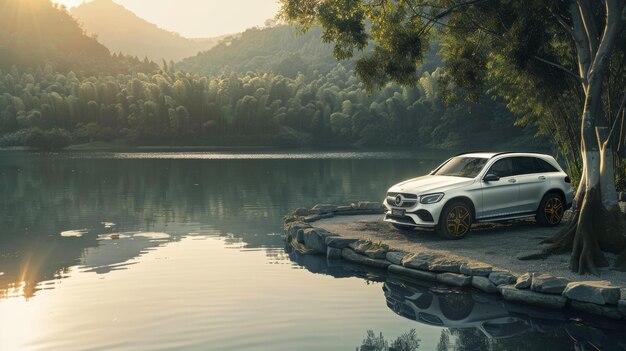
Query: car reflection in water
{"x": 463, "y": 309}
{"x": 497, "y": 319}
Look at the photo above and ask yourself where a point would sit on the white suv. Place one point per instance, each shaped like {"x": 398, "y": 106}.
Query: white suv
{"x": 480, "y": 187}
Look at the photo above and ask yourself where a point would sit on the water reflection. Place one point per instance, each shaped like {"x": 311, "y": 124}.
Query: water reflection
{"x": 486, "y": 322}
{"x": 472, "y": 320}
{"x": 56, "y": 208}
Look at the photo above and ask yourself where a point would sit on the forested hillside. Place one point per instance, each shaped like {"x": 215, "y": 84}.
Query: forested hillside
{"x": 281, "y": 49}
{"x": 36, "y": 32}
{"x": 264, "y": 87}
{"x": 124, "y": 32}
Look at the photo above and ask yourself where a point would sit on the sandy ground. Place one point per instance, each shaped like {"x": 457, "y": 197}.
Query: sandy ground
{"x": 498, "y": 245}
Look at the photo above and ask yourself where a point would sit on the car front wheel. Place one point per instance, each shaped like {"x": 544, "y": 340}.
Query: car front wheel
{"x": 551, "y": 209}
{"x": 456, "y": 221}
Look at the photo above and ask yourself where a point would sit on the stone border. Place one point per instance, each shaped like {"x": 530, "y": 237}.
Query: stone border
{"x": 534, "y": 288}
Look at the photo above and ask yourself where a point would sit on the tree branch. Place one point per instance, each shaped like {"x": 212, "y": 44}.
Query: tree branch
{"x": 446, "y": 12}
{"x": 591, "y": 29}
{"x": 556, "y": 65}
{"x": 582, "y": 45}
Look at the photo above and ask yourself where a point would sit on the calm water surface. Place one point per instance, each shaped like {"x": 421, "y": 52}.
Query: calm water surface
{"x": 184, "y": 250}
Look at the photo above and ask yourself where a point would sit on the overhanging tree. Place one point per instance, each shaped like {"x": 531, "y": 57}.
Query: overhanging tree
{"x": 562, "y": 54}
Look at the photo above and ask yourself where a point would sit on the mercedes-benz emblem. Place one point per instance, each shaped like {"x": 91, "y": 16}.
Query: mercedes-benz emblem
{"x": 399, "y": 200}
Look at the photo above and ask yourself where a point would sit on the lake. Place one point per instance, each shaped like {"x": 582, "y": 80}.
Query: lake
{"x": 184, "y": 250}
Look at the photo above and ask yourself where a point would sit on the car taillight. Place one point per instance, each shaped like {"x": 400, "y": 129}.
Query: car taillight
{"x": 567, "y": 179}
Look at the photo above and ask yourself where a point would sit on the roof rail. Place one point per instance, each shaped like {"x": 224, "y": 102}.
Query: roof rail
{"x": 519, "y": 152}
{"x": 473, "y": 152}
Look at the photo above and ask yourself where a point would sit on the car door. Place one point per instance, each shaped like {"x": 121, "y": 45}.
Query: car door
{"x": 500, "y": 197}
{"x": 532, "y": 183}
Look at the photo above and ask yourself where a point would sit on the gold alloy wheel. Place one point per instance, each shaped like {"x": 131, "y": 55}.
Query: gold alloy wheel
{"x": 459, "y": 221}
{"x": 554, "y": 210}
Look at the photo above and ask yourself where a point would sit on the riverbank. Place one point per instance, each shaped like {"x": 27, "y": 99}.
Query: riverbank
{"x": 486, "y": 260}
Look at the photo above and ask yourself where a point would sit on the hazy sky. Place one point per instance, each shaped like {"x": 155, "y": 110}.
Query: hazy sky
{"x": 199, "y": 18}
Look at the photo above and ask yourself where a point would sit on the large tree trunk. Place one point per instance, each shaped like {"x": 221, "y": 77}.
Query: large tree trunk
{"x": 596, "y": 223}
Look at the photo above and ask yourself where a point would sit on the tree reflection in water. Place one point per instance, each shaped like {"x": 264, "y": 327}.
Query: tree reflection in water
{"x": 42, "y": 195}
{"x": 405, "y": 342}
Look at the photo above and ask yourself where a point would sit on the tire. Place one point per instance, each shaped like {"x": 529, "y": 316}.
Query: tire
{"x": 455, "y": 221}
{"x": 402, "y": 227}
{"x": 456, "y": 306}
{"x": 550, "y": 211}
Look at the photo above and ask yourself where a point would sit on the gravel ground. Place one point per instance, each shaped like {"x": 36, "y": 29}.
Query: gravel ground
{"x": 498, "y": 245}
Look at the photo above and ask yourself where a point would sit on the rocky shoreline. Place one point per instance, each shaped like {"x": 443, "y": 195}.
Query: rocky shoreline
{"x": 534, "y": 288}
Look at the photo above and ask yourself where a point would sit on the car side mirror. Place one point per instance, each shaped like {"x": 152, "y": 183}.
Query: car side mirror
{"x": 491, "y": 178}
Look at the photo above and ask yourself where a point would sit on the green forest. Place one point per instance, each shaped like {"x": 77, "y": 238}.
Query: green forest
{"x": 269, "y": 87}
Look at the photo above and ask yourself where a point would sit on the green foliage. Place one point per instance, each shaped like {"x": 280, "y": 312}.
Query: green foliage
{"x": 169, "y": 108}
{"x": 522, "y": 51}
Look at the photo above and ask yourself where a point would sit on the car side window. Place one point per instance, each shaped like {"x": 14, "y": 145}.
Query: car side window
{"x": 502, "y": 168}
{"x": 544, "y": 167}
{"x": 524, "y": 165}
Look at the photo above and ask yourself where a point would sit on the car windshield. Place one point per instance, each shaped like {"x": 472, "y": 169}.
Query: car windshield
{"x": 467, "y": 167}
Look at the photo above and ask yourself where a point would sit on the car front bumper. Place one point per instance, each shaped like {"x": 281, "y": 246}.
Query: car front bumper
{"x": 420, "y": 215}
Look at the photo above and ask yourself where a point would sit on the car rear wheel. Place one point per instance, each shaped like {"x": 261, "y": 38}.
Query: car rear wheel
{"x": 455, "y": 221}
{"x": 551, "y": 209}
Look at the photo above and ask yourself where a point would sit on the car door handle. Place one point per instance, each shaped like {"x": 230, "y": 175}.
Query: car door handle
{"x": 512, "y": 180}
{"x": 542, "y": 178}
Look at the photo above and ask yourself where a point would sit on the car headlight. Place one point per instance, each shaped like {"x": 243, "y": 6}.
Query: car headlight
{"x": 431, "y": 198}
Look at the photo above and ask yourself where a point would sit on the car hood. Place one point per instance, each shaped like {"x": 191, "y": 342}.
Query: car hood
{"x": 430, "y": 184}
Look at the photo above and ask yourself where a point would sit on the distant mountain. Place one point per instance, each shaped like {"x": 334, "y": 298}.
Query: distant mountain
{"x": 36, "y": 32}
{"x": 121, "y": 30}
{"x": 281, "y": 49}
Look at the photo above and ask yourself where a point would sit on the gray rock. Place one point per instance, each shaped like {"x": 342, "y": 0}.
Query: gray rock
{"x": 484, "y": 284}
{"x": 476, "y": 269}
{"x": 419, "y": 260}
{"x": 315, "y": 239}
{"x": 622, "y": 293}
{"x": 413, "y": 273}
{"x": 340, "y": 209}
{"x": 592, "y": 308}
{"x": 291, "y": 229}
{"x": 502, "y": 278}
{"x": 312, "y": 218}
{"x": 300, "y": 236}
{"x": 350, "y": 255}
{"x": 370, "y": 249}
{"x": 524, "y": 281}
{"x": 454, "y": 279}
{"x": 367, "y": 205}
{"x": 333, "y": 253}
{"x": 290, "y": 219}
{"x": 548, "y": 284}
{"x": 339, "y": 242}
{"x": 621, "y": 307}
{"x": 444, "y": 264}
{"x": 600, "y": 293}
{"x": 301, "y": 212}
{"x": 324, "y": 208}
{"x": 509, "y": 293}
{"x": 396, "y": 257}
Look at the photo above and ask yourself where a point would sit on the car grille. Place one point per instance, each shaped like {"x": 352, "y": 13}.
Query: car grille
{"x": 408, "y": 200}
